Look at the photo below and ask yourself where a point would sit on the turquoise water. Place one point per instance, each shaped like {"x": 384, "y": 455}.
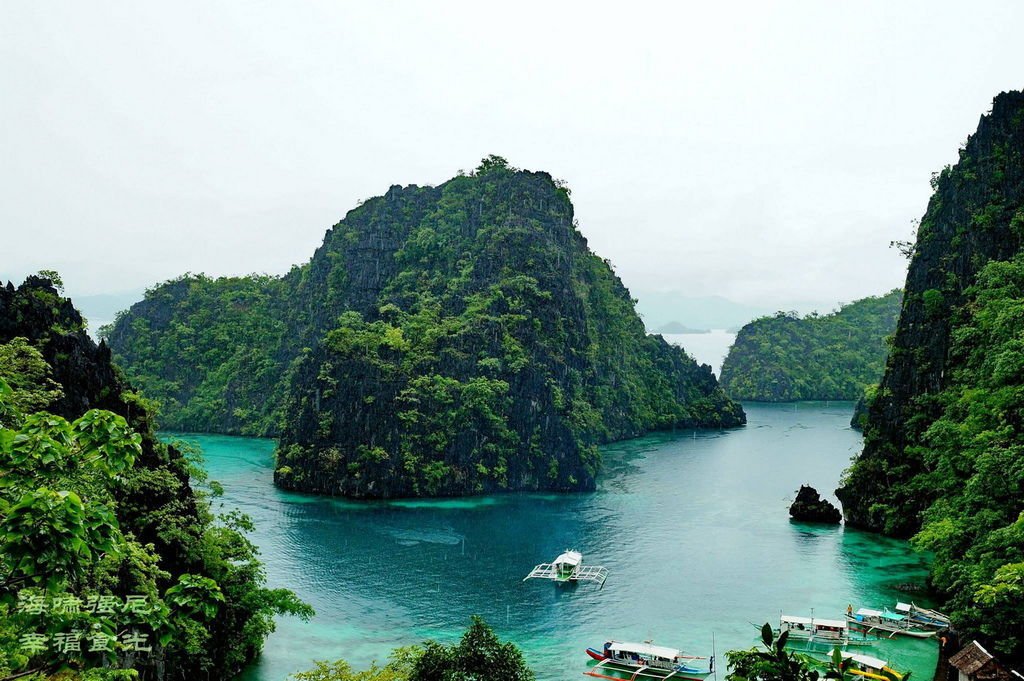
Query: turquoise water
{"x": 692, "y": 526}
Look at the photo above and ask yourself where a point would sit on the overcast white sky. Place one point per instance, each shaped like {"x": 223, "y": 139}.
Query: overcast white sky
{"x": 767, "y": 152}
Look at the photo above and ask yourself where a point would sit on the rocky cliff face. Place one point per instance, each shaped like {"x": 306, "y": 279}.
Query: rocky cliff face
{"x": 973, "y": 218}
{"x": 446, "y": 340}
{"x": 483, "y": 348}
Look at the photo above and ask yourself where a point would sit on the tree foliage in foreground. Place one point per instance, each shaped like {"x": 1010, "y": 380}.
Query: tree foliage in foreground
{"x": 775, "y": 663}
{"x": 479, "y": 656}
{"x": 93, "y": 506}
{"x": 60, "y": 538}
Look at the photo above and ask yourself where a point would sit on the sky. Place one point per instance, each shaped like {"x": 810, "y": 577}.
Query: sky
{"x": 766, "y": 152}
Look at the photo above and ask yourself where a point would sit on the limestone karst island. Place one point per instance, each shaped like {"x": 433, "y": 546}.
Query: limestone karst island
{"x": 534, "y": 343}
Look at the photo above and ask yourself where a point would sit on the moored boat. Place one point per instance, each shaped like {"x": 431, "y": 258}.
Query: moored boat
{"x": 813, "y": 634}
{"x": 568, "y": 568}
{"x": 873, "y": 668}
{"x": 648, "y": 660}
{"x": 881, "y": 622}
{"x": 931, "y": 619}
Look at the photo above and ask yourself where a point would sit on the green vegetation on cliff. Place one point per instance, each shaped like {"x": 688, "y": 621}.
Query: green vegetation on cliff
{"x": 93, "y": 506}
{"x": 817, "y": 357}
{"x": 943, "y": 458}
{"x": 211, "y": 351}
{"x": 446, "y": 340}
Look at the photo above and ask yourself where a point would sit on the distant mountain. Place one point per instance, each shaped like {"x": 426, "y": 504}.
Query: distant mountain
{"x": 678, "y": 327}
{"x": 101, "y": 308}
{"x": 661, "y": 308}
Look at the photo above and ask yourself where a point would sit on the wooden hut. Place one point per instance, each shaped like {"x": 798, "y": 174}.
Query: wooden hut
{"x": 974, "y": 663}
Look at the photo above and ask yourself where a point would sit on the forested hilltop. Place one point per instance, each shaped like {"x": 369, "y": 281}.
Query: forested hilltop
{"x": 943, "y": 457}
{"x": 816, "y": 357}
{"x": 445, "y": 340}
{"x": 93, "y": 506}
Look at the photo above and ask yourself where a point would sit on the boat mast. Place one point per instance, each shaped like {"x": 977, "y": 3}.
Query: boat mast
{"x": 714, "y": 669}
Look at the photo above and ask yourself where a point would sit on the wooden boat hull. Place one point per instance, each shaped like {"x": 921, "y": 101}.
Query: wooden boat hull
{"x": 875, "y": 677}
{"x": 929, "y": 618}
{"x": 633, "y": 672}
{"x": 882, "y": 630}
{"x": 823, "y": 661}
{"x": 640, "y": 670}
{"x": 825, "y": 645}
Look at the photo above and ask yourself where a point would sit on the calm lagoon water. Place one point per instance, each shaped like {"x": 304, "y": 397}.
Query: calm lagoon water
{"x": 692, "y": 525}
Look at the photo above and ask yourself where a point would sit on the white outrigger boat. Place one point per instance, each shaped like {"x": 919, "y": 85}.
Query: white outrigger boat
{"x": 647, "y": 660}
{"x": 568, "y": 568}
{"x": 880, "y": 622}
{"x": 806, "y": 632}
{"x": 930, "y": 619}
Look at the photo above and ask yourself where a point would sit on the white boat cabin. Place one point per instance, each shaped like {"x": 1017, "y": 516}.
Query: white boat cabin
{"x": 644, "y": 654}
{"x": 812, "y": 627}
{"x": 566, "y": 563}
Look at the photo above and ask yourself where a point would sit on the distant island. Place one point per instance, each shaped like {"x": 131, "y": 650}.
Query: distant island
{"x": 836, "y": 356}
{"x": 679, "y": 327}
{"x": 449, "y": 340}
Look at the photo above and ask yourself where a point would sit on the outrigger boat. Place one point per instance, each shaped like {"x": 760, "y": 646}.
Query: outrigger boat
{"x": 568, "y": 568}
{"x": 885, "y": 621}
{"x": 931, "y": 619}
{"x": 806, "y": 632}
{"x": 647, "y": 660}
{"x": 869, "y": 667}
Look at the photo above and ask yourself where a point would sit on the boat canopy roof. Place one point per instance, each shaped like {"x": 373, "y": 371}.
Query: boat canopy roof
{"x": 835, "y": 624}
{"x": 643, "y": 649}
{"x": 812, "y": 621}
{"x": 569, "y": 558}
{"x": 868, "y": 612}
{"x": 866, "y": 660}
{"x": 903, "y": 607}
